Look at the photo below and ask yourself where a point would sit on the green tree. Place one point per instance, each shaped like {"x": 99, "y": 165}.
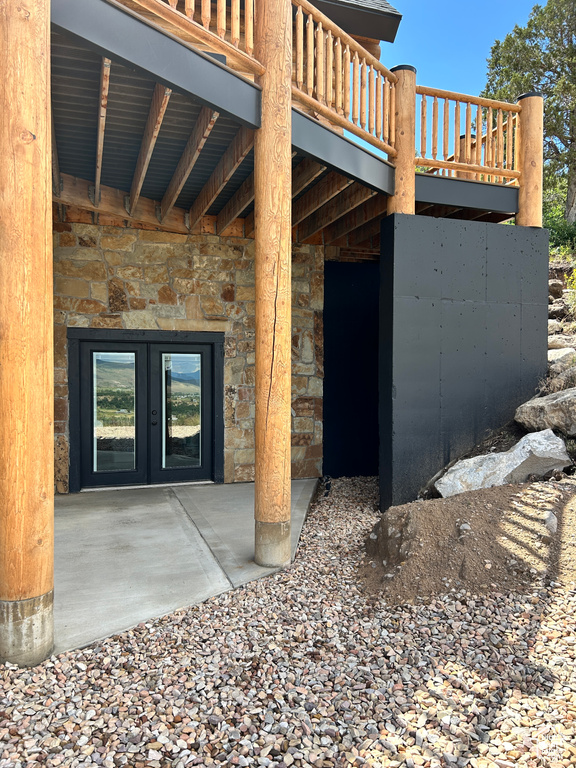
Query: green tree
{"x": 542, "y": 57}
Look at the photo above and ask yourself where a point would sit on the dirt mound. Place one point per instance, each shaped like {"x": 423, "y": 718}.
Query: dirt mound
{"x": 505, "y": 538}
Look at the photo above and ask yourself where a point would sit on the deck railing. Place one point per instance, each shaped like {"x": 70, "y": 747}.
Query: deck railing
{"x": 336, "y": 77}
{"x": 337, "y": 80}
{"x": 468, "y": 137}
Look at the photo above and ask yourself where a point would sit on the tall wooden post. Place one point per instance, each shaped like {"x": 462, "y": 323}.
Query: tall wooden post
{"x": 531, "y": 160}
{"x": 404, "y": 198}
{"x": 273, "y": 244}
{"x": 26, "y": 356}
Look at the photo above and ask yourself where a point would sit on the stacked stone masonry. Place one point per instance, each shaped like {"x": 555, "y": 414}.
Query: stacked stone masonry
{"x": 117, "y": 277}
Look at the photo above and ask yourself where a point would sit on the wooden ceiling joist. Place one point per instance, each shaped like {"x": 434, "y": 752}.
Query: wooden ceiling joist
{"x": 102, "y": 110}
{"x": 335, "y": 210}
{"x": 229, "y": 163}
{"x": 304, "y": 174}
{"x": 236, "y": 206}
{"x": 203, "y": 128}
{"x": 320, "y": 194}
{"x": 158, "y": 106}
{"x": 372, "y": 209}
{"x": 76, "y": 193}
{"x": 365, "y": 232}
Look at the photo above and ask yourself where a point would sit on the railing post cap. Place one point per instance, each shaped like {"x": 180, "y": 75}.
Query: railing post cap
{"x": 409, "y": 67}
{"x": 530, "y": 94}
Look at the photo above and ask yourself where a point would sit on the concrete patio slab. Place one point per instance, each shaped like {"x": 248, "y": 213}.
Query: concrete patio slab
{"x": 128, "y": 555}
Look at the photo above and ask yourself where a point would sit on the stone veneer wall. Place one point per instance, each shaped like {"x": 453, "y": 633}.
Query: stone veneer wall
{"x": 116, "y": 277}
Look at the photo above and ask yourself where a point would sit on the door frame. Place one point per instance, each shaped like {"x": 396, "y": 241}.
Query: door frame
{"x": 215, "y": 340}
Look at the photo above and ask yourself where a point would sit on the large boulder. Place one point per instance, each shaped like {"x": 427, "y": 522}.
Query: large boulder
{"x": 555, "y": 411}
{"x": 559, "y": 360}
{"x": 554, "y": 326}
{"x": 555, "y": 288}
{"x": 535, "y": 454}
{"x": 564, "y": 380}
{"x": 561, "y": 341}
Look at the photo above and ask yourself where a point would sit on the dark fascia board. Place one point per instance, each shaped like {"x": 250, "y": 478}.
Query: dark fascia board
{"x": 461, "y": 193}
{"x": 365, "y": 22}
{"x": 123, "y": 37}
{"x": 314, "y": 140}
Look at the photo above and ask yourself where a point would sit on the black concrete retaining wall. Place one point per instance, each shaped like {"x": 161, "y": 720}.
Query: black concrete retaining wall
{"x": 463, "y": 339}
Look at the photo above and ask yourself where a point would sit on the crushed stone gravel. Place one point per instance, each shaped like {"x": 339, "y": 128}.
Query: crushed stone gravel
{"x": 303, "y": 669}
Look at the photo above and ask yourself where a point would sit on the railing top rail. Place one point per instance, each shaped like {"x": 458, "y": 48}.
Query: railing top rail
{"x": 328, "y": 24}
{"x": 478, "y": 100}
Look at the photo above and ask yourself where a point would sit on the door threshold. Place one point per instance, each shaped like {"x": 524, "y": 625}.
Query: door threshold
{"x": 143, "y": 486}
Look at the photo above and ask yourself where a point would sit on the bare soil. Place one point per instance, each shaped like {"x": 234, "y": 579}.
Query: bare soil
{"x": 478, "y": 542}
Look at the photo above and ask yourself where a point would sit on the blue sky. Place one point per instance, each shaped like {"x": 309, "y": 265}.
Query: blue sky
{"x": 449, "y": 41}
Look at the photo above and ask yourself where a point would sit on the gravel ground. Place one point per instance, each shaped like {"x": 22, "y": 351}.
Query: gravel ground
{"x": 303, "y": 669}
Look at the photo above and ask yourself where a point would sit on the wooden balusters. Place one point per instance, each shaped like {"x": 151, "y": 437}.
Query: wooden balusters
{"x": 299, "y": 48}
{"x": 435, "y": 128}
{"x": 329, "y": 42}
{"x": 189, "y": 8}
{"x": 220, "y": 18}
{"x": 310, "y": 55}
{"x": 235, "y": 23}
{"x": 355, "y": 87}
{"x": 205, "y": 13}
{"x": 388, "y": 113}
{"x": 320, "y": 64}
{"x": 338, "y": 75}
{"x": 249, "y": 26}
{"x": 423, "y": 108}
{"x": 363, "y": 93}
{"x": 347, "y": 82}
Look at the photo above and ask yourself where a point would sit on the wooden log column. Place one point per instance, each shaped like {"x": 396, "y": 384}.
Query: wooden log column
{"x": 26, "y": 346}
{"x": 273, "y": 255}
{"x": 531, "y": 160}
{"x": 404, "y": 198}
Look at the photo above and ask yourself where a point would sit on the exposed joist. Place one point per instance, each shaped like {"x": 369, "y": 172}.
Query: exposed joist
{"x": 102, "y": 110}
{"x": 203, "y": 128}
{"x": 56, "y": 180}
{"x": 365, "y": 232}
{"x": 335, "y": 210}
{"x": 76, "y": 192}
{"x": 236, "y": 205}
{"x": 304, "y": 174}
{"x": 320, "y": 194}
{"x": 158, "y": 105}
{"x": 372, "y": 209}
{"x": 229, "y": 163}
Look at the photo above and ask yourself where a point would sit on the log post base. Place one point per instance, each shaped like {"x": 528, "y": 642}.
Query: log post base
{"x": 272, "y": 544}
{"x": 27, "y": 630}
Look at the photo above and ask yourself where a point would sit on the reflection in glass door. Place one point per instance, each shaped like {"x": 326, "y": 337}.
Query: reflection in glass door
{"x": 181, "y": 410}
{"x": 114, "y": 411}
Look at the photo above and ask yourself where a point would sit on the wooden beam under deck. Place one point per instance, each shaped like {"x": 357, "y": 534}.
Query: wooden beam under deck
{"x": 231, "y": 160}
{"x": 337, "y": 233}
{"x": 335, "y": 211}
{"x": 102, "y": 111}
{"x": 203, "y": 128}
{"x": 160, "y": 99}
{"x": 236, "y": 205}
{"x": 75, "y": 193}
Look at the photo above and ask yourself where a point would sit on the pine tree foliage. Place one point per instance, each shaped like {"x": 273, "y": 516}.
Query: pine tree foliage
{"x": 542, "y": 57}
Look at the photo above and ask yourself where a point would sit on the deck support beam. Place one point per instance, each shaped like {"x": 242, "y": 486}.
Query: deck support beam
{"x": 26, "y": 346}
{"x": 531, "y": 160}
{"x": 273, "y": 267}
{"x": 404, "y": 198}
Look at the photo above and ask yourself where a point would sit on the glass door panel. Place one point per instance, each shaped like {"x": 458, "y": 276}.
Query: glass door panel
{"x": 181, "y": 445}
{"x": 113, "y": 413}
{"x": 181, "y": 410}
{"x": 114, "y": 408}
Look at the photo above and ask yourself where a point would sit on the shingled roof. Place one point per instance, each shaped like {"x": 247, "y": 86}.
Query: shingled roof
{"x": 370, "y": 18}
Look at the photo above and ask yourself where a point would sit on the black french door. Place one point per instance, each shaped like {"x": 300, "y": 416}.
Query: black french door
{"x": 146, "y": 412}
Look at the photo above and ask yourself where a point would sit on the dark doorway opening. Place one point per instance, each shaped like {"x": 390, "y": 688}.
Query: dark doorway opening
{"x": 351, "y": 295}
{"x": 145, "y": 407}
